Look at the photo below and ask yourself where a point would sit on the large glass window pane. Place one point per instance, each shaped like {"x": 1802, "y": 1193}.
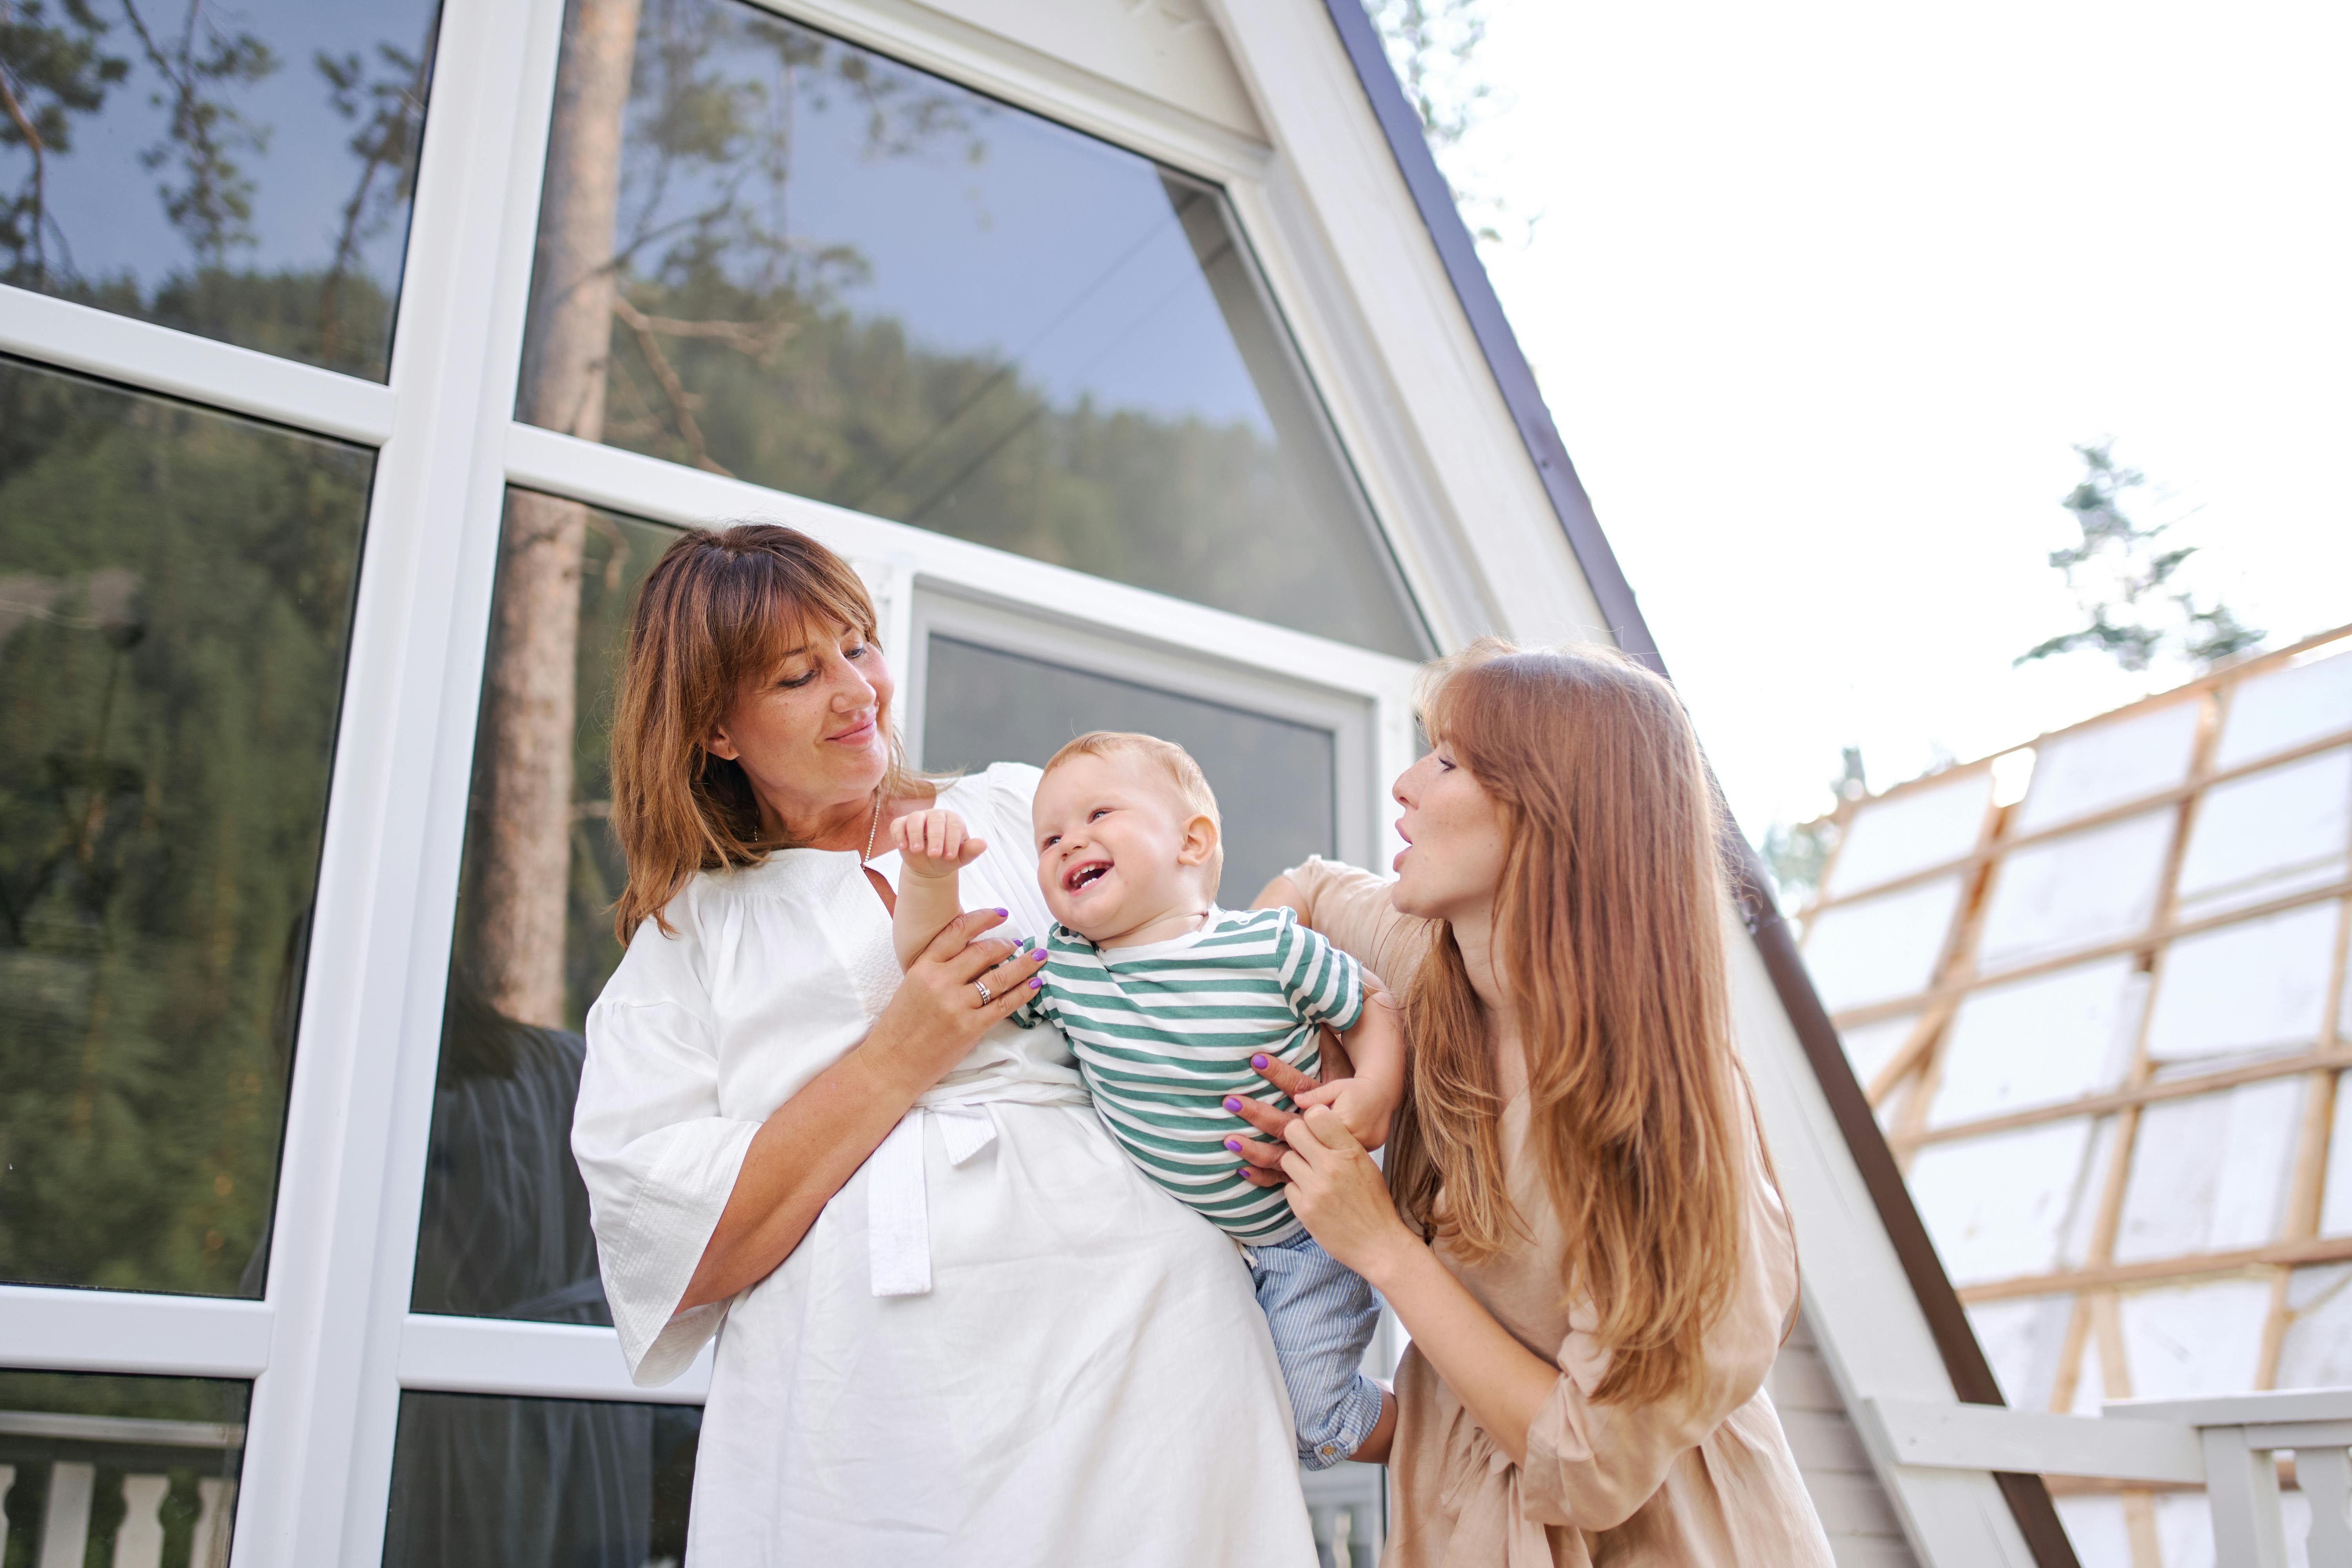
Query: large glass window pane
{"x": 1275, "y": 780}
{"x": 505, "y": 1220}
{"x": 127, "y": 1470}
{"x": 175, "y": 597}
{"x": 539, "y": 1483}
{"x": 241, "y": 170}
{"x": 822, "y": 270}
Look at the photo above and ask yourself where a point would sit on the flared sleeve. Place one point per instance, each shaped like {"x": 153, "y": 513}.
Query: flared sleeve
{"x": 1591, "y": 1465}
{"x": 658, "y": 1158}
{"x": 1350, "y": 907}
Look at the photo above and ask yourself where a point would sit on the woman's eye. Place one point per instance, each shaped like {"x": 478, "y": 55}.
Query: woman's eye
{"x": 858, "y": 652}
{"x": 1445, "y": 763}
{"x": 793, "y": 682}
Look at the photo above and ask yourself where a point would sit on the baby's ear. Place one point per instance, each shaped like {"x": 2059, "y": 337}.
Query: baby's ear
{"x": 1200, "y": 836}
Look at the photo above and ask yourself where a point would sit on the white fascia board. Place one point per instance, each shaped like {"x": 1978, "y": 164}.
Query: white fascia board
{"x": 933, "y": 39}
{"x": 1873, "y": 1335}
{"x": 541, "y": 1361}
{"x": 157, "y": 358}
{"x": 1495, "y": 512}
{"x": 113, "y": 1331}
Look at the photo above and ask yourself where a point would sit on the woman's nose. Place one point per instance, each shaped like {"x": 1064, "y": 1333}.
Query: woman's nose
{"x": 851, "y": 689}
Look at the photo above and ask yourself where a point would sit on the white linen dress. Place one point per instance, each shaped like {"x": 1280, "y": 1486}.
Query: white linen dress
{"x": 1086, "y": 1380}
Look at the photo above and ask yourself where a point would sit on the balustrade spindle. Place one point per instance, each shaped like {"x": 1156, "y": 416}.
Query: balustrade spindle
{"x": 65, "y": 1523}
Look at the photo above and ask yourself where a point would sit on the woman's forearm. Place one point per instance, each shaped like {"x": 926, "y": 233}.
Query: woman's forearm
{"x": 801, "y": 1156}
{"x": 1502, "y": 1383}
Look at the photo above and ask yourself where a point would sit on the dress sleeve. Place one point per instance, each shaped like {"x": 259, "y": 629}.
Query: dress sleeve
{"x": 1324, "y": 986}
{"x": 1591, "y": 1465}
{"x": 658, "y": 1159}
{"x": 1351, "y": 907}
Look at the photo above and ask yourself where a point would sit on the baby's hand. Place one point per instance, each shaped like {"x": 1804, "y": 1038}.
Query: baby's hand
{"x": 1367, "y": 1106}
{"x": 934, "y": 844}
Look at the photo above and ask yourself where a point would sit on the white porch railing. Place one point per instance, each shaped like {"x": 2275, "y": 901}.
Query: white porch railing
{"x": 73, "y": 1448}
{"x": 2228, "y": 1445}
{"x": 1347, "y": 1509}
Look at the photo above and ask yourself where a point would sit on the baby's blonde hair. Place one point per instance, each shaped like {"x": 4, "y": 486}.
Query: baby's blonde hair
{"x": 1175, "y": 765}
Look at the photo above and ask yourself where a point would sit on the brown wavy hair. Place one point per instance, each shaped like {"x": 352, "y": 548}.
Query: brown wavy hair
{"x": 1609, "y": 941}
{"x": 721, "y": 607}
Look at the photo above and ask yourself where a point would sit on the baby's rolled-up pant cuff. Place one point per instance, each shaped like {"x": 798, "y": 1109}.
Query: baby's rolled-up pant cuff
{"x": 1352, "y": 1420}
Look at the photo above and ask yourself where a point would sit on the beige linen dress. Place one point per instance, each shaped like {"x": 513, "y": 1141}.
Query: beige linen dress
{"x": 1704, "y": 1483}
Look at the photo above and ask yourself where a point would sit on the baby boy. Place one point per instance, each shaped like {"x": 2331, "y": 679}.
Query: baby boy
{"x": 1166, "y": 1000}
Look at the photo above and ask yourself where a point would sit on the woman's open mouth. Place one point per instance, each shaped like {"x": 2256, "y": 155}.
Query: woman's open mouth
{"x": 1085, "y": 876}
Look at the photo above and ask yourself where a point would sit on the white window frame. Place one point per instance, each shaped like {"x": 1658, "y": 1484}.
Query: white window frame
{"x": 332, "y": 1346}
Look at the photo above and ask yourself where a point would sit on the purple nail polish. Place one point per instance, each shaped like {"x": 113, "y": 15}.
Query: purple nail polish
{"x": 1035, "y": 982}
{"x": 1258, "y": 1062}
{"x": 1000, "y": 911}
{"x": 1235, "y": 1144}
{"x": 1232, "y": 1105}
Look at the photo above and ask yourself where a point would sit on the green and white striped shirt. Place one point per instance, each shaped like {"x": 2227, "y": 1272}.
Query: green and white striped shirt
{"x": 1163, "y": 1033}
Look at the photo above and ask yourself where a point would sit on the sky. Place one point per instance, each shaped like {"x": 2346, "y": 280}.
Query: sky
{"x": 1822, "y": 297}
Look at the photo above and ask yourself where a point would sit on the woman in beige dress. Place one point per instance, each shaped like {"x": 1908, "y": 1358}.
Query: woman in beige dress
{"x": 1585, "y": 1241}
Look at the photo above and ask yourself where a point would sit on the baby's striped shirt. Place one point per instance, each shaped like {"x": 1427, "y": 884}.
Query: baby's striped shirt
{"x": 1163, "y": 1033}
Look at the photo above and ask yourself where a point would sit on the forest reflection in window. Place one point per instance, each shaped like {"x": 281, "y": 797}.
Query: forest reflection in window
{"x": 822, "y": 270}
{"x": 540, "y": 1483}
{"x": 176, "y": 599}
{"x": 504, "y": 1229}
{"x": 239, "y": 170}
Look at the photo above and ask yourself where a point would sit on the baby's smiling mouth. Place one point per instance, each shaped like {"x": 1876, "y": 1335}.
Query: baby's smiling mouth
{"x": 1086, "y": 876}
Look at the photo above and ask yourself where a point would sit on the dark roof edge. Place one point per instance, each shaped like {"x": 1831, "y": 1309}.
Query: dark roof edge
{"x": 1964, "y": 1359}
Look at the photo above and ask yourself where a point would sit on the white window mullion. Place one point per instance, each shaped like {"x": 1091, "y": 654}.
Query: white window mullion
{"x": 158, "y": 359}
{"x": 539, "y": 1361}
{"x": 318, "y": 1452}
{"x": 122, "y": 1331}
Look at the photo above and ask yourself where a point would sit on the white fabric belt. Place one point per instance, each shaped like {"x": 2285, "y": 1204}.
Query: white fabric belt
{"x": 897, "y": 1204}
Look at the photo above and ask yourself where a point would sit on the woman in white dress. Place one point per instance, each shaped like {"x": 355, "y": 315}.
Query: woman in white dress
{"x": 954, "y": 1325}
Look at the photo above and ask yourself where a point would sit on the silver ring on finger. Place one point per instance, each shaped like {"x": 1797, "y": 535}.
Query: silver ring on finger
{"x": 982, "y": 987}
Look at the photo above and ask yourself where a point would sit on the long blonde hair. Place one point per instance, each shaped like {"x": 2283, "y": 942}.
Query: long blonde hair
{"x": 719, "y": 607}
{"x": 1609, "y": 939}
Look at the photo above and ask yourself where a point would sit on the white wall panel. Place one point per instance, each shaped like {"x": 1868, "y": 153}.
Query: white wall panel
{"x": 2078, "y": 891}
{"x": 1910, "y": 832}
{"x": 2002, "y": 1205}
{"x": 2041, "y": 1041}
{"x": 2258, "y": 984}
{"x": 2106, "y": 765}
{"x": 2187, "y": 1340}
{"x": 2209, "y": 1172}
{"x": 2023, "y": 1340}
{"x": 2283, "y": 708}
{"x": 2317, "y": 1350}
{"x": 2269, "y": 834}
{"x": 1881, "y": 948}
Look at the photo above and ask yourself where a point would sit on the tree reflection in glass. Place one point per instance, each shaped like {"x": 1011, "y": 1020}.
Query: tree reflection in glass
{"x": 175, "y": 598}
{"x": 504, "y": 1229}
{"x": 769, "y": 253}
{"x": 242, "y": 170}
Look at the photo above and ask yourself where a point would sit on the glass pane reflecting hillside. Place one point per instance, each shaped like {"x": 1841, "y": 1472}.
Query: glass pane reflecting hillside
{"x": 175, "y": 598}
{"x": 243, "y": 171}
{"x": 822, "y": 270}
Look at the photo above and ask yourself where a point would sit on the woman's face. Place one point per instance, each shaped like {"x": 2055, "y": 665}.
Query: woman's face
{"x": 1453, "y": 843}
{"x": 812, "y": 733}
